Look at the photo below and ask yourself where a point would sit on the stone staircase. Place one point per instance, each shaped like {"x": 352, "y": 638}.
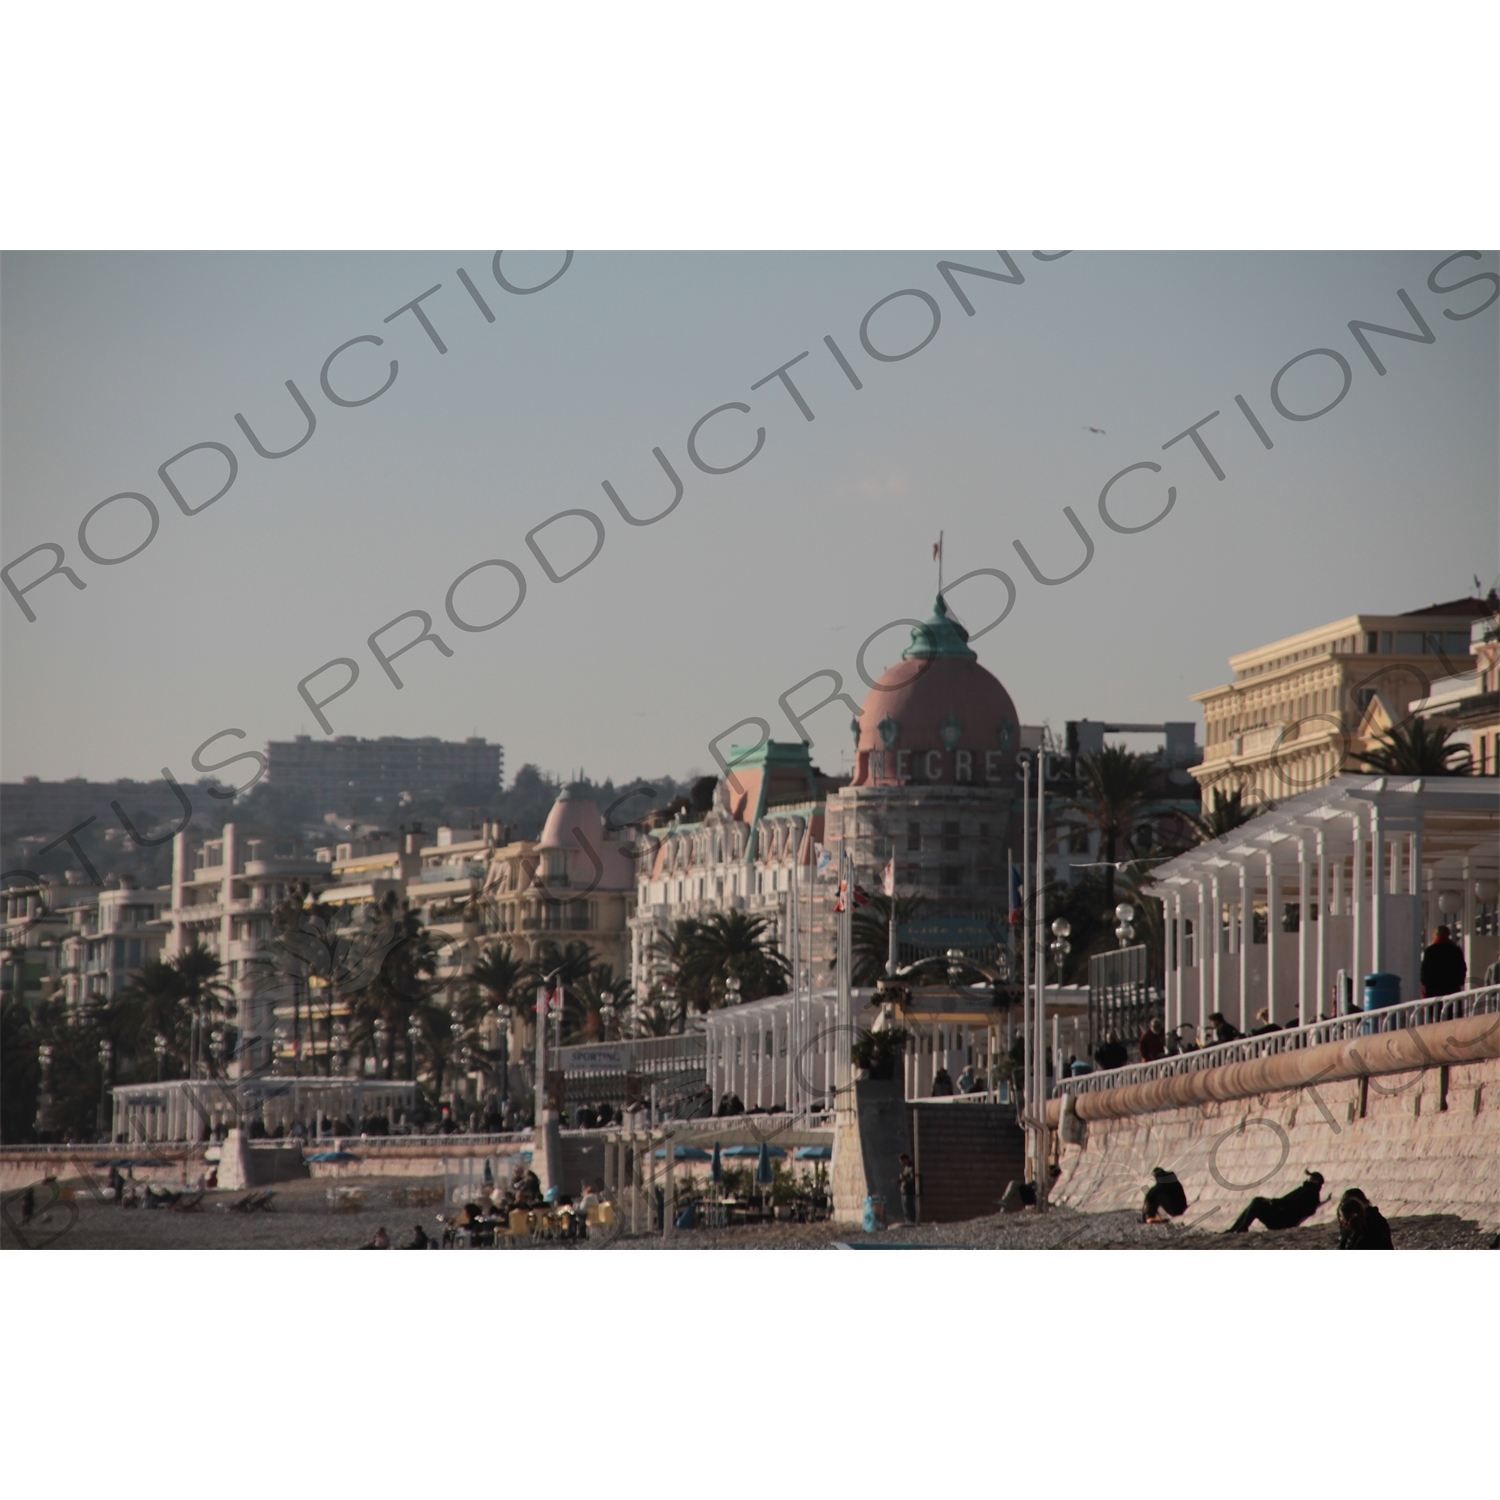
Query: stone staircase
{"x": 965, "y": 1155}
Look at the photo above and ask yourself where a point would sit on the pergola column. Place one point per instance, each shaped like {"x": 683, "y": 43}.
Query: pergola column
{"x": 1247, "y": 937}
{"x": 1273, "y": 894}
{"x": 1304, "y": 927}
{"x": 1323, "y": 913}
{"x": 1218, "y": 938}
{"x": 1174, "y": 970}
{"x": 1377, "y": 891}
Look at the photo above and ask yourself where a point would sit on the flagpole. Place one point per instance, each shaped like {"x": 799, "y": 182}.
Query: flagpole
{"x": 798, "y": 1007}
{"x": 1039, "y": 1013}
{"x": 1026, "y": 945}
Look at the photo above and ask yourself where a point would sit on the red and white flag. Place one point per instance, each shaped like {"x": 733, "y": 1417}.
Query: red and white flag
{"x": 888, "y": 877}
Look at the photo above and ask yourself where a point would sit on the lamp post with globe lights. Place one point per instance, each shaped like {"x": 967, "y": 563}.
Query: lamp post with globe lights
{"x": 106, "y": 1056}
{"x": 1062, "y": 930}
{"x": 1125, "y": 916}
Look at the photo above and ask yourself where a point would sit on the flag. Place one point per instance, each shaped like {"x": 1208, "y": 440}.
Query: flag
{"x": 888, "y": 877}
{"x": 861, "y": 896}
{"x": 821, "y": 858}
{"x": 937, "y": 551}
{"x": 1017, "y": 899}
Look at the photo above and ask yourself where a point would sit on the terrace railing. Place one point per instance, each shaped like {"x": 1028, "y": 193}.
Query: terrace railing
{"x": 1484, "y": 1000}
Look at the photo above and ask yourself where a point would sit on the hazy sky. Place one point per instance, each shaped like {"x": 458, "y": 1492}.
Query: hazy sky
{"x": 112, "y": 363}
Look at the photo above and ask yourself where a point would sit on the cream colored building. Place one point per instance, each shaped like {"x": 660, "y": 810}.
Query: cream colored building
{"x": 1300, "y": 710}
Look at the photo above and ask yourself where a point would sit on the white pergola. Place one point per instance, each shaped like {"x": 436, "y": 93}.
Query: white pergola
{"x": 191, "y": 1109}
{"x": 780, "y": 1050}
{"x": 1371, "y": 864}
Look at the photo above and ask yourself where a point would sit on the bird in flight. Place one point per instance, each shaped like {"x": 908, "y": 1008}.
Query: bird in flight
{"x": 1099, "y": 430}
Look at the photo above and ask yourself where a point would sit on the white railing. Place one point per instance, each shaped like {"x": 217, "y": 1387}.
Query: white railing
{"x": 1476, "y": 1002}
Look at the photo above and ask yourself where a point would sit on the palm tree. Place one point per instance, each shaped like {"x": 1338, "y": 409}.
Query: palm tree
{"x": 871, "y": 931}
{"x": 202, "y": 992}
{"x": 676, "y": 955}
{"x": 1112, "y": 785}
{"x": 583, "y": 1018}
{"x": 735, "y": 945}
{"x": 402, "y": 983}
{"x": 499, "y": 972}
{"x": 1417, "y": 748}
{"x": 1223, "y": 815}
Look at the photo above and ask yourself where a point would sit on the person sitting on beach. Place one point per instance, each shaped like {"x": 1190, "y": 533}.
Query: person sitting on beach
{"x": 420, "y": 1239}
{"x": 380, "y": 1240}
{"x": 1362, "y": 1226}
{"x": 1285, "y": 1212}
{"x": 1164, "y": 1196}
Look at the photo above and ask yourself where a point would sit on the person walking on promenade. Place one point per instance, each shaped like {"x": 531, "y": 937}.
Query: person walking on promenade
{"x": 1285, "y": 1212}
{"x": 907, "y": 1178}
{"x": 1111, "y": 1053}
{"x": 942, "y": 1084}
{"x": 1362, "y": 1226}
{"x": 1443, "y": 967}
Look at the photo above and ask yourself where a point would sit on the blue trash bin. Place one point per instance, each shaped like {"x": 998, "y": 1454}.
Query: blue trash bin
{"x": 1381, "y": 992}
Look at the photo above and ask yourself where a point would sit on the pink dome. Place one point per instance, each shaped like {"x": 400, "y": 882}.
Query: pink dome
{"x": 937, "y": 717}
{"x": 576, "y": 826}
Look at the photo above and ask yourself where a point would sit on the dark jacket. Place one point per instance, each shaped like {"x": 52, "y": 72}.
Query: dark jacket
{"x": 1365, "y": 1229}
{"x": 1443, "y": 969}
{"x": 1153, "y": 1045}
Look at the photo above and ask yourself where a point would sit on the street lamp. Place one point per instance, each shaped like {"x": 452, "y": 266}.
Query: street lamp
{"x": 106, "y": 1056}
{"x": 732, "y": 989}
{"x": 340, "y": 1047}
{"x": 413, "y": 1038}
{"x": 44, "y": 1093}
{"x": 955, "y": 971}
{"x": 1125, "y": 913}
{"x": 1062, "y": 929}
{"x": 159, "y": 1046}
{"x": 382, "y": 1036}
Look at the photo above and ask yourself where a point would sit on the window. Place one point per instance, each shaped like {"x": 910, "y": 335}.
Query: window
{"x": 950, "y": 838}
{"x": 951, "y": 875}
{"x": 913, "y": 837}
{"x": 984, "y": 830}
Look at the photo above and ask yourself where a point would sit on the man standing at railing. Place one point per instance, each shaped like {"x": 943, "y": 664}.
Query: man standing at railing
{"x": 1153, "y": 1043}
{"x": 1443, "y": 967}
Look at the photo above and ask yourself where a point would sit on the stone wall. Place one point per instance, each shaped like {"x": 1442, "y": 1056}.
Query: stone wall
{"x": 1424, "y": 1141}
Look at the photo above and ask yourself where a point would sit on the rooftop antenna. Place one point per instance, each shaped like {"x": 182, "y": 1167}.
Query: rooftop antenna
{"x": 937, "y": 557}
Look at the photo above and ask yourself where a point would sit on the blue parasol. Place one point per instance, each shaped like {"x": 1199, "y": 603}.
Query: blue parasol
{"x": 763, "y": 1173}
{"x": 740, "y": 1152}
{"x": 716, "y": 1172}
{"x": 683, "y": 1153}
{"x": 813, "y": 1153}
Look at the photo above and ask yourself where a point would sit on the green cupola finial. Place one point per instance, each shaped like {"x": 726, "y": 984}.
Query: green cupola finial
{"x": 941, "y": 636}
